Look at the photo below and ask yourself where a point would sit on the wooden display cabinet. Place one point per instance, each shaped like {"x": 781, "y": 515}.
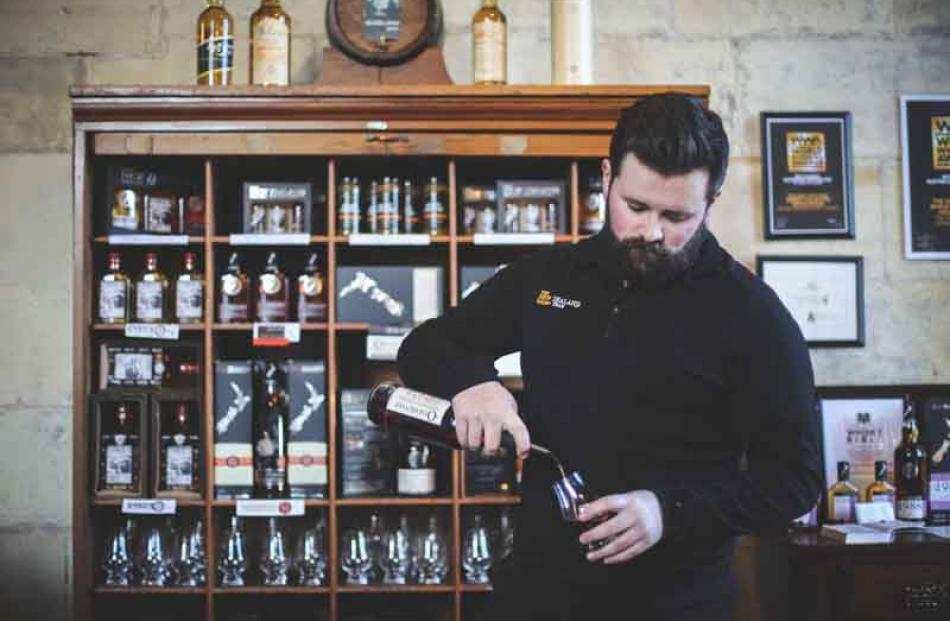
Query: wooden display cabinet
{"x": 224, "y": 137}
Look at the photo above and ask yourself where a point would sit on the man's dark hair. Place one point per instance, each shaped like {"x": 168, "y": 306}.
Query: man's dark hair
{"x": 672, "y": 134}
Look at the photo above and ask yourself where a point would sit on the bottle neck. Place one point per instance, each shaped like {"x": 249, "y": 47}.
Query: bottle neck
{"x": 151, "y": 263}
{"x": 489, "y": 4}
{"x": 115, "y": 263}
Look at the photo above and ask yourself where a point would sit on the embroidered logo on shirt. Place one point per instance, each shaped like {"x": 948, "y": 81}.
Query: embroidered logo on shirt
{"x": 546, "y": 298}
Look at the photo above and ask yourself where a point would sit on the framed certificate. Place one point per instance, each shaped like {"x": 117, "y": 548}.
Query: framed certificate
{"x": 860, "y": 430}
{"x": 825, "y": 295}
{"x": 925, "y": 155}
{"x": 807, "y": 175}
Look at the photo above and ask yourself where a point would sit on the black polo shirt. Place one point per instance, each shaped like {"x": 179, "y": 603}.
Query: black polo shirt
{"x": 701, "y": 390}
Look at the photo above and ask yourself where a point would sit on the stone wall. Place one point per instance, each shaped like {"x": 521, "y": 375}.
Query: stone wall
{"x": 756, "y": 55}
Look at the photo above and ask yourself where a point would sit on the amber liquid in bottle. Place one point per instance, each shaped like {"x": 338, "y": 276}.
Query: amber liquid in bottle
{"x": 490, "y": 44}
{"x": 880, "y": 490}
{"x": 151, "y": 293}
{"x": 215, "y": 36}
{"x": 114, "y": 293}
{"x": 270, "y": 44}
{"x": 842, "y": 496}
{"x": 190, "y": 292}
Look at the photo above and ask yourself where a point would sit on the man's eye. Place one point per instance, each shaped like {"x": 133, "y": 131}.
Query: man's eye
{"x": 676, "y": 216}
{"x": 636, "y": 208}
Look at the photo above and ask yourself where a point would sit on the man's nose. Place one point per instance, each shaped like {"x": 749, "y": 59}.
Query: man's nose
{"x": 648, "y": 227}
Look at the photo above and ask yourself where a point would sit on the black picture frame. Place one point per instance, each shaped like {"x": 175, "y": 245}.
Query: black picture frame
{"x": 102, "y": 404}
{"x": 925, "y": 165}
{"x": 807, "y": 186}
{"x": 812, "y": 288}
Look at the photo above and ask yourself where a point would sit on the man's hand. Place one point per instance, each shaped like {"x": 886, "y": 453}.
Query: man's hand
{"x": 636, "y": 525}
{"x": 482, "y": 412}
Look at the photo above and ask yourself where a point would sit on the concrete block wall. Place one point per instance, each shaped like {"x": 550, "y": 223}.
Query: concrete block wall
{"x": 756, "y": 55}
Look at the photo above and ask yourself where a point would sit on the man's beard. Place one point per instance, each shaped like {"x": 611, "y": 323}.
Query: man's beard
{"x": 651, "y": 264}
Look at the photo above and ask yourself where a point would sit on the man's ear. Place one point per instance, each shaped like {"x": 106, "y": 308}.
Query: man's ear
{"x": 712, "y": 201}
{"x": 605, "y": 173}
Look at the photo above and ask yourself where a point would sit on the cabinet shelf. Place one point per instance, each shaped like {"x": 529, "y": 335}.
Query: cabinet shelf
{"x": 314, "y": 133}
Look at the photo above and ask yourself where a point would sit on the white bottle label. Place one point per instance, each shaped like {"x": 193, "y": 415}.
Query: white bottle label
{"x": 911, "y": 508}
{"x": 119, "y": 464}
{"x": 844, "y": 509}
{"x": 112, "y": 299}
{"x": 491, "y": 52}
{"x": 415, "y": 481}
{"x": 420, "y": 406}
{"x": 178, "y": 466}
{"x": 886, "y": 497}
{"x": 149, "y": 300}
{"x": 189, "y": 299}
{"x": 271, "y": 54}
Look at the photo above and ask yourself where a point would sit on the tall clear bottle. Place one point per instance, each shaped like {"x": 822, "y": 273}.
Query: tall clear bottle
{"x": 270, "y": 45}
{"x": 190, "y": 292}
{"x": 215, "y": 37}
{"x": 489, "y": 44}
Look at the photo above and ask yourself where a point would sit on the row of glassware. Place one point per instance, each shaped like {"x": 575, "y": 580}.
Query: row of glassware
{"x": 171, "y": 552}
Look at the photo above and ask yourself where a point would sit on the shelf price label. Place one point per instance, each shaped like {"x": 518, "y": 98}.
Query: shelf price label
{"x": 148, "y": 240}
{"x": 276, "y": 334}
{"x": 164, "y": 331}
{"x": 385, "y": 345}
{"x": 149, "y": 506}
{"x": 270, "y": 239}
{"x": 270, "y": 508}
{"x": 513, "y": 239}
{"x": 401, "y": 239}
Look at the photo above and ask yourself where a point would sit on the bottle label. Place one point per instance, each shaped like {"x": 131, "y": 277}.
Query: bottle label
{"x": 233, "y": 464}
{"x": 912, "y": 508}
{"x": 311, "y": 285}
{"x": 939, "y": 491}
{"x": 178, "y": 467}
{"x": 307, "y": 463}
{"x": 231, "y": 311}
{"x": 843, "y": 509}
{"x": 112, "y": 300}
{"x": 215, "y": 54}
{"x": 312, "y": 310}
{"x": 887, "y": 497}
{"x": 272, "y": 310}
{"x": 189, "y": 299}
{"x": 119, "y": 464}
{"x": 149, "y": 300}
{"x": 270, "y": 284}
{"x": 425, "y": 408}
{"x": 270, "y": 56}
{"x": 491, "y": 52}
{"x": 415, "y": 481}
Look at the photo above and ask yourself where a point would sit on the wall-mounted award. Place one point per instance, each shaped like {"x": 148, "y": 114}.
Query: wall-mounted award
{"x": 925, "y": 148}
{"x": 807, "y": 176}
{"x": 384, "y": 42}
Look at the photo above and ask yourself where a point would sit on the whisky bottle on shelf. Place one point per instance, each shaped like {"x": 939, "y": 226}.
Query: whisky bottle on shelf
{"x": 151, "y": 293}
{"x": 178, "y": 450}
{"x": 119, "y": 452}
{"x": 842, "y": 496}
{"x": 880, "y": 490}
{"x": 372, "y": 210}
{"x": 190, "y": 292}
{"x": 270, "y": 437}
{"x": 215, "y": 45}
{"x": 349, "y": 212}
{"x": 234, "y": 302}
{"x": 433, "y": 212}
{"x": 311, "y": 292}
{"x": 270, "y": 44}
{"x": 410, "y": 220}
{"x": 273, "y": 295}
{"x": 910, "y": 472}
{"x": 490, "y": 44}
{"x": 416, "y": 473}
{"x": 114, "y": 293}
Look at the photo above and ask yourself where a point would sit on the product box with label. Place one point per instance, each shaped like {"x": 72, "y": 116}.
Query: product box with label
{"x": 233, "y": 429}
{"x": 388, "y": 295}
{"x": 367, "y": 466}
{"x": 307, "y": 428}
{"x": 489, "y": 475}
{"x": 276, "y": 208}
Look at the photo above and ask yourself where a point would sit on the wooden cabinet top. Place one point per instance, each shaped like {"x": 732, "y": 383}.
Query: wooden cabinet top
{"x": 571, "y": 107}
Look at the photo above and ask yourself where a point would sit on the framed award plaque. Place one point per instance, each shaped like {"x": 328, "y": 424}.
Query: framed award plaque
{"x": 925, "y": 146}
{"x": 807, "y": 176}
{"x": 825, "y": 296}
